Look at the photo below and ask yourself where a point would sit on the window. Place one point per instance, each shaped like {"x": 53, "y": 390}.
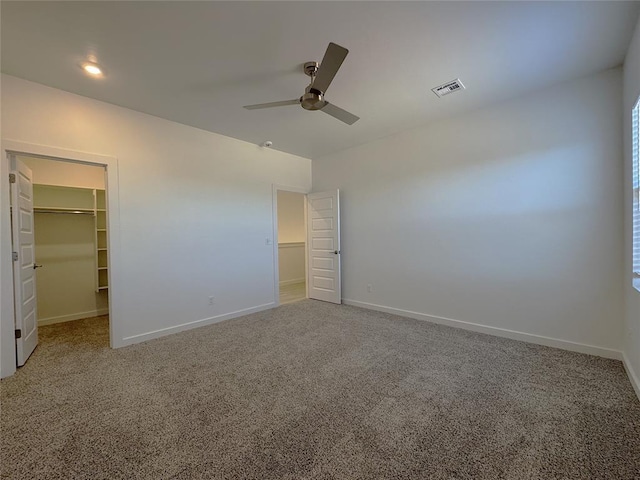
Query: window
{"x": 635, "y": 128}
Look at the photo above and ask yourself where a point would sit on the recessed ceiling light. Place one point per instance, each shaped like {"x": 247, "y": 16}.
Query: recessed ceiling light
{"x": 92, "y": 69}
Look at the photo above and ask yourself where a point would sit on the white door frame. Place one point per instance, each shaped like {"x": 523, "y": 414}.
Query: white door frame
{"x": 7, "y": 307}
{"x": 276, "y": 253}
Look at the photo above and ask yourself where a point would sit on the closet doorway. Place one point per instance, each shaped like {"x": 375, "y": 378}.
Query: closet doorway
{"x": 291, "y": 245}
{"x": 70, "y": 263}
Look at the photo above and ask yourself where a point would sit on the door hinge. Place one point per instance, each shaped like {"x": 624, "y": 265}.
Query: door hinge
{"x": 12, "y": 178}
{"x": 14, "y": 256}
{"x": 18, "y": 333}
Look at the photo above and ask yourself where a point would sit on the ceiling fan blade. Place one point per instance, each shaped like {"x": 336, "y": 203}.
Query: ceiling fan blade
{"x": 340, "y": 114}
{"x": 284, "y": 103}
{"x": 333, "y": 58}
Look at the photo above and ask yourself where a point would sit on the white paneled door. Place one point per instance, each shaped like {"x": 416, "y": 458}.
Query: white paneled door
{"x": 24, "y": 279}
{"x": 323, "y": 237}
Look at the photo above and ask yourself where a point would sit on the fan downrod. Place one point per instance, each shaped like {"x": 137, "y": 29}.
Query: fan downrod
{"x": 312, "y": 98}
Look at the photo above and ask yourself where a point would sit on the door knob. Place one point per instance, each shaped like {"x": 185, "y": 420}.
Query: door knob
{"x": 35, "y": 265}
{"x": 336, "y": 252}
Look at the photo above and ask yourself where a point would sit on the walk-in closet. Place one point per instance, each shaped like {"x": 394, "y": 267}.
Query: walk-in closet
{"x": 71, "y": 249}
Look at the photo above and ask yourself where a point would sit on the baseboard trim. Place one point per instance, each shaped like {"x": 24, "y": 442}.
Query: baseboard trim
{"x": 162, "y": 332}
{"x": 291, "y": 282}
{"x": 633, "y": 378}
{"x": 495, "y": 331}
{"x": 70, "y": 318}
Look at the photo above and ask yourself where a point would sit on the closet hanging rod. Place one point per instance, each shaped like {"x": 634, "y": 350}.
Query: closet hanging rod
{"x": 62, "y": 212}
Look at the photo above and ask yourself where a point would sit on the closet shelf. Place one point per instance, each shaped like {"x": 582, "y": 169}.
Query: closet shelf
{"x": 100, "y": 207}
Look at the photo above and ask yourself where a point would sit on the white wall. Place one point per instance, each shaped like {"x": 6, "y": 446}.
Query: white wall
{"x": 66, "y": 174}
{"x": 291, "y": 261}
{"x": 632, "y": 296}
{"x": 65, "y": 285}
{"x": 195, "y": 210}
{"x": 291, "y": 237}
{"x": 507, "y": 217}
{"x": 291, "y": 226}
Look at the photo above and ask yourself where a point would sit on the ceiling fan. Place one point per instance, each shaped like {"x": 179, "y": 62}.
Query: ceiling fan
{"x": 321, "y": 77}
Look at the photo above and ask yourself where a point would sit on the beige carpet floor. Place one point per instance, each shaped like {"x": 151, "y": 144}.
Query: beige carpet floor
{"x": 315, "y": 391}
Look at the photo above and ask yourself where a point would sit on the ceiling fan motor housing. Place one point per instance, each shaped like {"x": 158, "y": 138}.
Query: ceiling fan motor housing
{"x": 312, "y": 99}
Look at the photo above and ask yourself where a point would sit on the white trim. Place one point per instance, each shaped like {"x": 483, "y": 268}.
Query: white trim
{"x": 635, "y": 151}
{"x": 495, "y": 331}
{"x": 143, "y": 337}
{"x": 274, "y": 218}
{"x": 292, "y": 282}
{"x": 55, "y": 153}
{"x": 7, "y": 349}
{"x": 291, "y": 244}
{"x": 633, "y": 377}
{"x": 71, "y": 317}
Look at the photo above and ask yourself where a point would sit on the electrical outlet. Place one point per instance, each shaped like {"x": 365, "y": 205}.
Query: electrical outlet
{"x": 369, "y": 288}
{"x": 211, "y": 300}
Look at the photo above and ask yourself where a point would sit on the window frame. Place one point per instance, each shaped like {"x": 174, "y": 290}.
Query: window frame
{"x": 635, "y": 215}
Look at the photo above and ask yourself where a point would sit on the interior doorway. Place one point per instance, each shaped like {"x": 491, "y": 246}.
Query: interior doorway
{"x": 291, "y": 237}
{"x": 65, "y": 278}
{"x": 307, "y": 255}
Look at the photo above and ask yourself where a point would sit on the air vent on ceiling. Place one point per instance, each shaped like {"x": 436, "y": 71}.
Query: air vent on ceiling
{"x": 449, "y": 87}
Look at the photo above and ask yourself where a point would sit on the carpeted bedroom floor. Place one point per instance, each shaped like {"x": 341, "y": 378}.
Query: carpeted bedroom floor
{"x": 315, "y": 391}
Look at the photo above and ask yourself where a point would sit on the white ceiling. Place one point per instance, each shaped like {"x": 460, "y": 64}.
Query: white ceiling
{"x": 198, "y": 63}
